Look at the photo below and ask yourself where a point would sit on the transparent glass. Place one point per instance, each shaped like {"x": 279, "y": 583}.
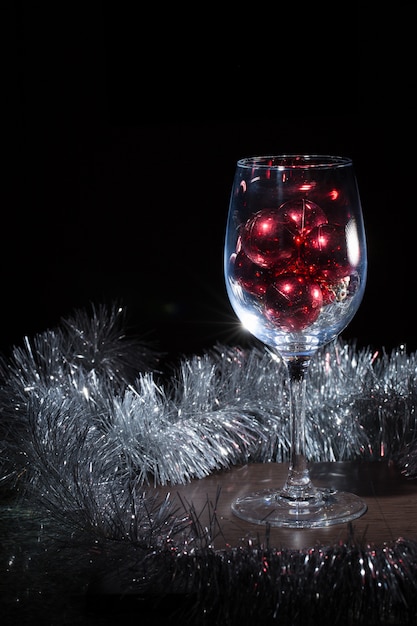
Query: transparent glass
{"x": 295, "y": 265}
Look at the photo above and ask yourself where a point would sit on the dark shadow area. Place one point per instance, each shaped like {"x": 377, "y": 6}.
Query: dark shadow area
{"x": 121, "y": 165}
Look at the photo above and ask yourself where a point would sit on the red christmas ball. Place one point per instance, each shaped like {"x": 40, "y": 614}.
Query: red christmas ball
{"x": 253, "y": 278}
{"x": 293, "y": 302}
{"x": 325, "y": 251}
{"x": 302, "y": 216}
{"x": 267, "y": 239}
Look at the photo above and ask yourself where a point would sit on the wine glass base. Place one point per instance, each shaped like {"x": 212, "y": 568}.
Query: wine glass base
{"x": 269, "y": 508}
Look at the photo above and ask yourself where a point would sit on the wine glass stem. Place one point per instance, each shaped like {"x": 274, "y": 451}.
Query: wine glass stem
{"x": 298, "y": 485}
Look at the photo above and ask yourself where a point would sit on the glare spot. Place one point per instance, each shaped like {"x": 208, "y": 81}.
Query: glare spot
{"x": 250, "y": 322}
{"x": 352, "y": 240}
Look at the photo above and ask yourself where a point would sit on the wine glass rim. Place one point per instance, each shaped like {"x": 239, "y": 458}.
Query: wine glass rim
{"x": 295, "y": 161}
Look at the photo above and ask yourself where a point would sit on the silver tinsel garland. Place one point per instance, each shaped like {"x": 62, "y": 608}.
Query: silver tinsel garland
{"x": 89, "y": 424}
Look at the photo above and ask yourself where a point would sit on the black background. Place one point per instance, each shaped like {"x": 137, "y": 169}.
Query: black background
{"x": 128, "y": 127}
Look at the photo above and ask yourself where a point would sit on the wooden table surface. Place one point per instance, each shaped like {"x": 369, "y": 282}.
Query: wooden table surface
{"x": 391, "y": 499}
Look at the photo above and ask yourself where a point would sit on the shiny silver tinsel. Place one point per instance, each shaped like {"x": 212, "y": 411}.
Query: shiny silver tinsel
{"x": 88, "y": 423}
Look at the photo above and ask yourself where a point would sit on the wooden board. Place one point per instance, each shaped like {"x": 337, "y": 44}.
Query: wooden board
{"x": 391, "y": 499}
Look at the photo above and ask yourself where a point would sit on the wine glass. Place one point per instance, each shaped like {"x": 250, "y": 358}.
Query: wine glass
{"x": 295, "y": 268}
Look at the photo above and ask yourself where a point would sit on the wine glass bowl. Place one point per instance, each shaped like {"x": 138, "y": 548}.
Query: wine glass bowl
{"x": 295, "y": 267}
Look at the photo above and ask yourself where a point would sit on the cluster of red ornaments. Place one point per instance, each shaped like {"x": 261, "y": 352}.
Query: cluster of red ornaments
{"x": 294, "y": 261}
